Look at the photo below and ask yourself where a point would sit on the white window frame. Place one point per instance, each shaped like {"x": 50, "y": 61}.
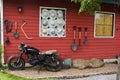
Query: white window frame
{"x": 95, "y": 25}
{"x": 40, "y": 21}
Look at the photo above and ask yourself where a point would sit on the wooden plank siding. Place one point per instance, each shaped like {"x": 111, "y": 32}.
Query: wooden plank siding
{"x": 97, "y": 47}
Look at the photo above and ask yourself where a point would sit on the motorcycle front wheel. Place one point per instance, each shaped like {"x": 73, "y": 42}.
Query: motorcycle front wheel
{"x": 16, "y": 63}
{"x": 55, "y": 64}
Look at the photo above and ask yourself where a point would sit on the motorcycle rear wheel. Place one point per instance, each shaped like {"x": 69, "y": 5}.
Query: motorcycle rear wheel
{"x": 16, "y": 63}
{"x": 57, "y": 65}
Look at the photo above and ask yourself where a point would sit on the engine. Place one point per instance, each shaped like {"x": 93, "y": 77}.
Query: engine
{"x": 41, "y": 57}
{"x": 33, "y": 60}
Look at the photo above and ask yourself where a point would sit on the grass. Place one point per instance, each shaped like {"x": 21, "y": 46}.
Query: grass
{"x": 5, "y": 76}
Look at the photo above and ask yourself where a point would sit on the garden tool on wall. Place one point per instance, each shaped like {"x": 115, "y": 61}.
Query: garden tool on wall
{"x": 7, "y": 41}
{"x": 79, "y": 35}
{"x": 16, "y": 35}
{"x": 24, "y": 31}
{"x": 85, "y": 36}
{"x": 7, "y": 24}
{"x": 74, "y": 46}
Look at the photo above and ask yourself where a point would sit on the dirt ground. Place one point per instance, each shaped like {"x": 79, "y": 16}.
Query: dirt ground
{"x": 65, "y": 73}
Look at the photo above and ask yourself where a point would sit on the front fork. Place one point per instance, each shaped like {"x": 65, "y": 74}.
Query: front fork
{"x": 20, "y": 57}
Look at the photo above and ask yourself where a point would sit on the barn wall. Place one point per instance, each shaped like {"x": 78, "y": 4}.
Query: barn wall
{"x": 97, "y": 47}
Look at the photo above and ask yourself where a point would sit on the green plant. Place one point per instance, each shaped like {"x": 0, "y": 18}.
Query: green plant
{"x": 88, "y": 5}
{"x": 91, "y": 6}
{"x": 5, "y": 76}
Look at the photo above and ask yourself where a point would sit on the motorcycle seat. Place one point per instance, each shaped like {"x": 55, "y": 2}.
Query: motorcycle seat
{"x": 50, "y": 52}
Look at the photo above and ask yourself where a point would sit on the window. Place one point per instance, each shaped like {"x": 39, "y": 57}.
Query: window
{"x": 52, "y": 22}
{"x": 104, "y": 25}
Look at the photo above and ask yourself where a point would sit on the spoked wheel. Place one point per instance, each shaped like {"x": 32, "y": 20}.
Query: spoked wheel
{"x": 16, "y": 63}
{"x": 55, "y": 65}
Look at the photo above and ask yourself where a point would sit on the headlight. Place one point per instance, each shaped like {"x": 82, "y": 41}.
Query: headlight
{"x": 19, "y": 48}
{"x": 25, "y": 45}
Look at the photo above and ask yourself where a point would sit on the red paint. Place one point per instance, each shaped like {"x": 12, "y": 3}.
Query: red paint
{"x": 97, "y": 47}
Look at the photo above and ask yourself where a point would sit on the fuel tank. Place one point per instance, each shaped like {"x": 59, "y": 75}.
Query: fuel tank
{"x": 32, "y": 51}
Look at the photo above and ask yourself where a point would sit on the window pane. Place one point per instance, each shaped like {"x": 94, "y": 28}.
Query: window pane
{"x": 108, "y": 31}
{"x": 99, "y": 19}
{"x": 99, "y": 30}
{"x": 104, "y": 22}
{"x": 108, "y": 19}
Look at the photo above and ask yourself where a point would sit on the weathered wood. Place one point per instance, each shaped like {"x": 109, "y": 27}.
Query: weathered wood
{"x": 118, "y": 71}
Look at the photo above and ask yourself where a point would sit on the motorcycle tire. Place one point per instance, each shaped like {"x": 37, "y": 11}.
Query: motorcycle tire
{"x": 58, "y": 62}
{"x": 14, "y": 64}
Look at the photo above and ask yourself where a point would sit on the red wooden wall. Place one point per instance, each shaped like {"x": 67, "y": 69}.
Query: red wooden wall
{"x": 97, "y": 47}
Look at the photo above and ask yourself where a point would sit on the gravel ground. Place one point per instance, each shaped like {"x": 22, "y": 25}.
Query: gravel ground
{"x": 66, "y": 73}
{"x": 96, "y": 77}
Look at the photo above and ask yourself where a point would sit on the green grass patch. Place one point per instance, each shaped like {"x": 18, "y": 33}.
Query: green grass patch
{"x": 5, "y": 76}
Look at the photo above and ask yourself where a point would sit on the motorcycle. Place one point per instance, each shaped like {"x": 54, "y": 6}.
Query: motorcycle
{"x": 49, "y": 59}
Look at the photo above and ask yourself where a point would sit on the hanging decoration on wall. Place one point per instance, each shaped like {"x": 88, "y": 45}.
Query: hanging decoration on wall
{"x": 29, "y": 38}
{"x": 8, "y": 26}
{"x": 20, "y": 9}
{"x": 52, "y": 22}
{"x": 16, "y": 34}
{"x": 7, "y": 41}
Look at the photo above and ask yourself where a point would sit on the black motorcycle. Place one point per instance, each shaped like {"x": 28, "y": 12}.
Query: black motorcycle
{"x": 49, "y": 59}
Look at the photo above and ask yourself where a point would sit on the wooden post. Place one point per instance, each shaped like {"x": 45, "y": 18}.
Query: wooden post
{"x": 118, "y": 71}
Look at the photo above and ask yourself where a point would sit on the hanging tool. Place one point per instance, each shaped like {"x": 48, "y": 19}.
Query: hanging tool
{"x": 24, "y": 31}
{"x": 79, "y": 35}
{"x": 7, "y": 41}
{"x": 85, "y": 36}
{"x": 16, "y": 34}
{"x": 6, "y": 22}
{"x": 74, "y": 46}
